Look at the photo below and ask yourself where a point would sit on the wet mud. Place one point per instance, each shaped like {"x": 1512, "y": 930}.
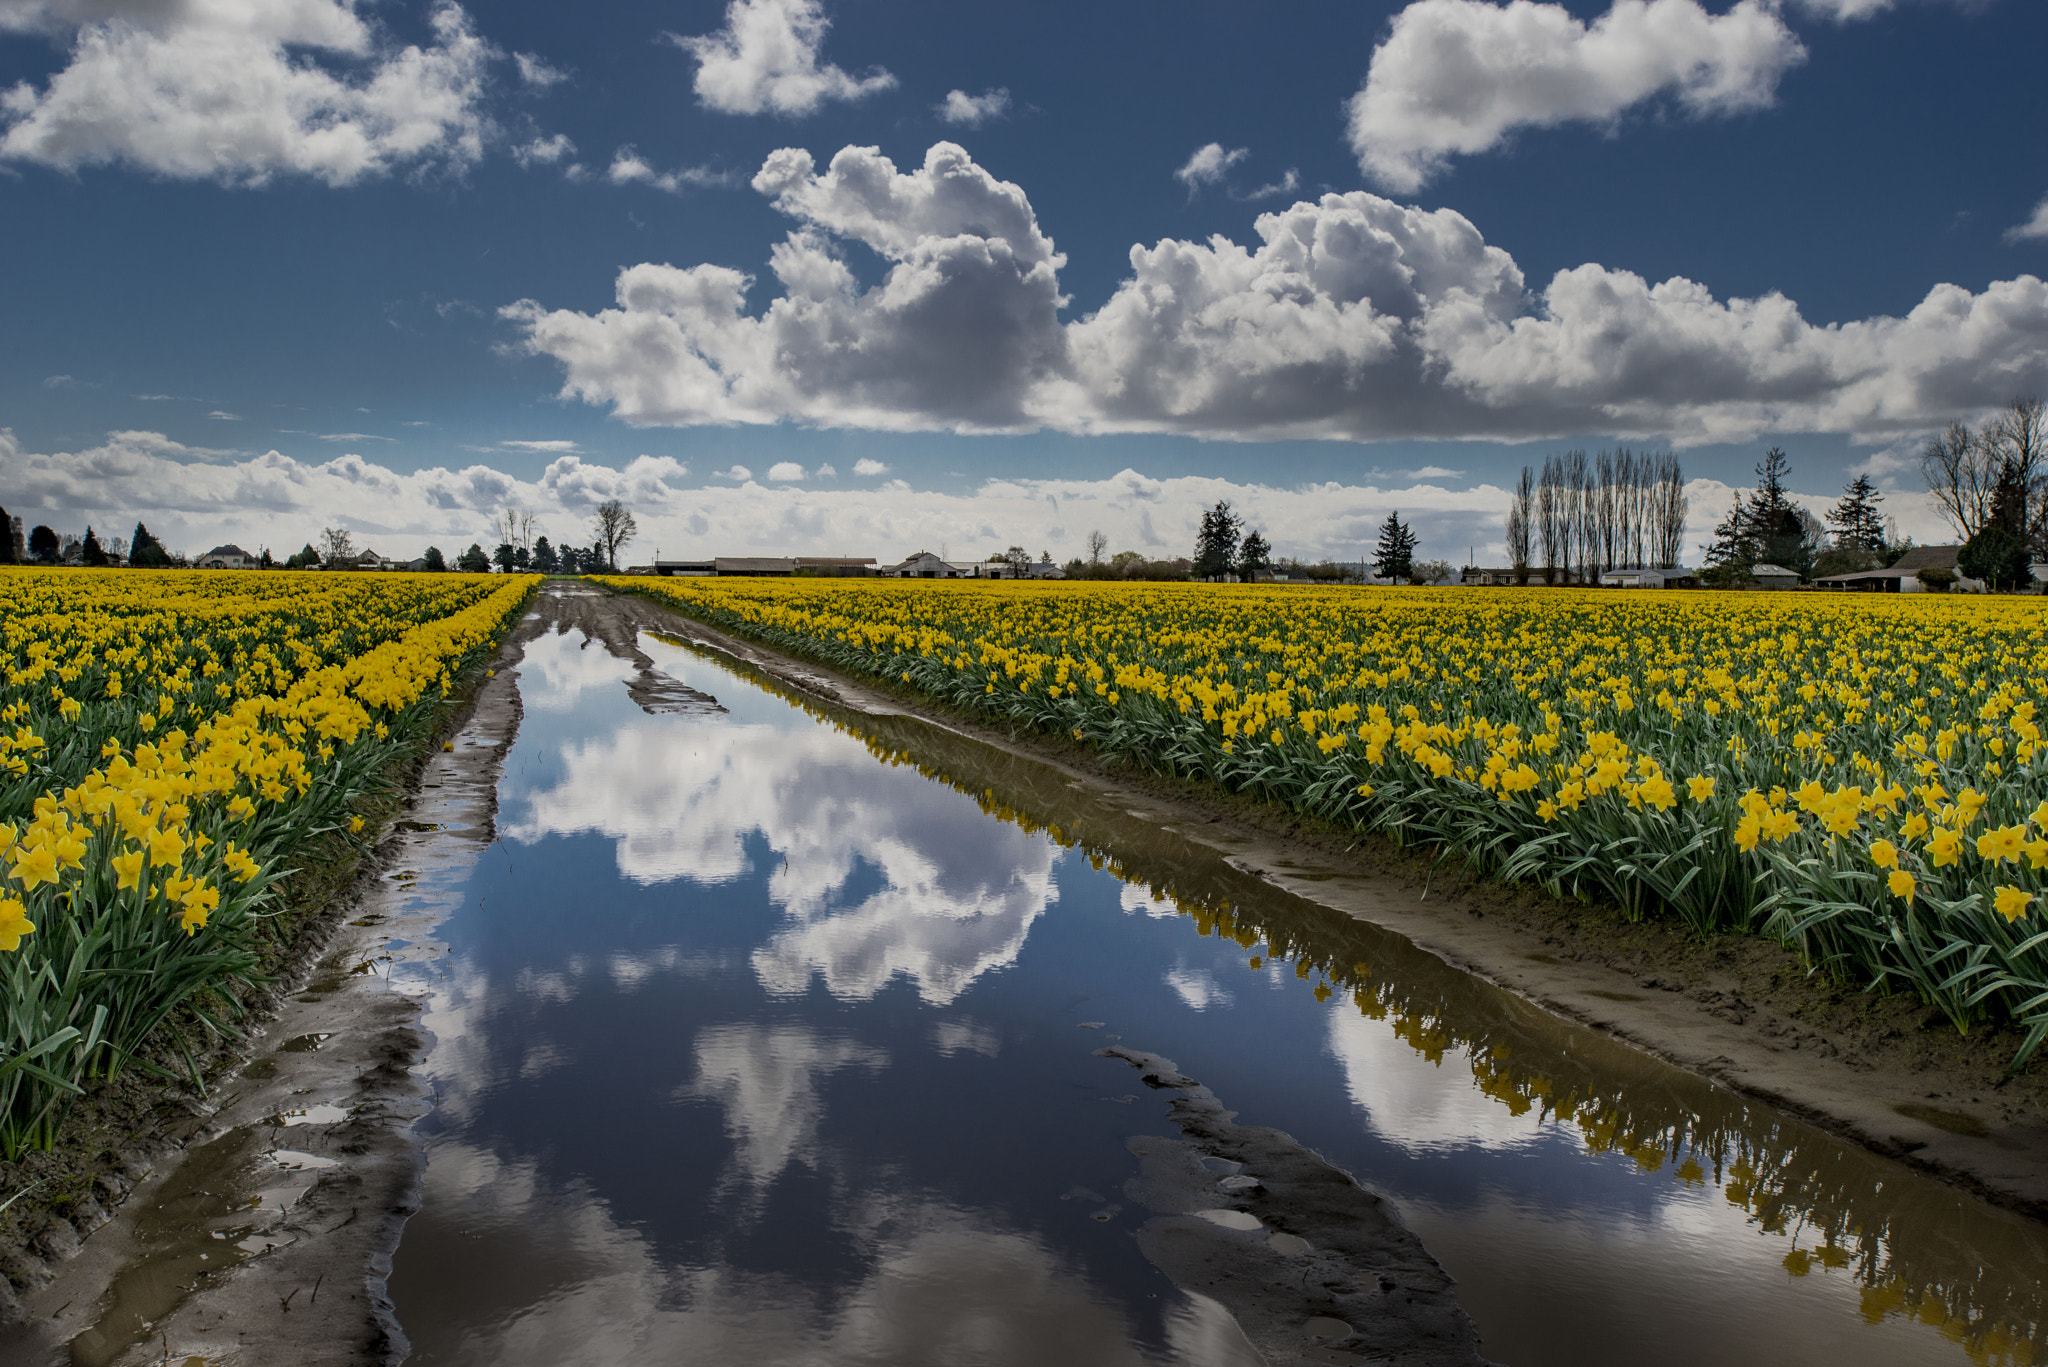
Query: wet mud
{"x": 1314, "y": 1267}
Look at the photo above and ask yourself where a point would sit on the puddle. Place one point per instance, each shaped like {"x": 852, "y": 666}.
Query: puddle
{"x": 767, "y": 1034}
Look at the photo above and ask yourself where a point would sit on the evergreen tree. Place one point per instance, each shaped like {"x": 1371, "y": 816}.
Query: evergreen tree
{"x": 544, "y": 558}
{"x": 502, "y": 557}
{"x": 266, "y": 560}
{"x": 1396, "y": 558}
{"x": 43, "y": 545}
{"x": 6, "y": 538}
{"x": 1998, "y": 556}
{"x": 92, "y": 552}
{"x": 473, "y": 560}
{"x": 434, "y": 561}
{"x": 1216, "y": 543}
{"x": 1858, "y": 524}
{"x": 1253, "y": 555}
{"x": 145, "y": 551}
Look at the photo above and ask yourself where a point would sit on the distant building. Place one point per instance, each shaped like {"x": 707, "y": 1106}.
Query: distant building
{"x": 229, "y": 557}
{"x": 1774, "y": 577}
{"x": 1654, "y": 577}
{"x": 1903, "y": 576}
{"x": 925, "y": 565}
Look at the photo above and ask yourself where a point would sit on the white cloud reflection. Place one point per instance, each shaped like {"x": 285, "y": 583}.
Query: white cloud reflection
{"x": 766, "y": 1079}
{"x": 1410, "y": 1100}
{"x": 552, "y": 1276}
{"x": 881, "y": 872}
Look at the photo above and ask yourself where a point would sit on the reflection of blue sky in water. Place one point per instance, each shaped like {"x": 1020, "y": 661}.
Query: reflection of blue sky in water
{"x": 881, "y": 872}
{"x": 777, "y": 1043}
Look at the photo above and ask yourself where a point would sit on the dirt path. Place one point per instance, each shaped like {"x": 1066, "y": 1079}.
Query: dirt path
{"x": 1883, "y": 1072}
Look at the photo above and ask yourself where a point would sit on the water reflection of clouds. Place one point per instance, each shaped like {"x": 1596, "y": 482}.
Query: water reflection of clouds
{"x": 558, "y": 670}
{"x": 957, "y": 892}
{"x": 937, "y": 1284}
{"x": 1406, "y": 1096}
{"x": 767, "y": 1079}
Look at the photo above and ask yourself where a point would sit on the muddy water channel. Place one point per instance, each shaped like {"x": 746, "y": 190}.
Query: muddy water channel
{"x": 767, "y": 1032}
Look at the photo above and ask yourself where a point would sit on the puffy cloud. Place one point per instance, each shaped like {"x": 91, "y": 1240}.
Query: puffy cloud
{"x": 1353, "y": 318}
{"x": 785, "y": 472}
{"x": 957, "y": 333}
{"x": 738, "y": 472}
{"x": 1208, "y": 165}
{"x": 544, "y": 151}
{"x": 535, "y": 71}
{"x": 826, "y": 472}
{"x": 1459, "y": 76}
{"x": 869, "y": 468}
{"x": 2035, "y": 227}
{"x": 630, "y": 168}
{"x": 235, "y": 91}
{"x": 766, "y": 58}
{"x": 972, "y": 111}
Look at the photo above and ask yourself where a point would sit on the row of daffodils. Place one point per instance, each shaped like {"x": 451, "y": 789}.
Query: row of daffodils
{"x": 1862, "y": 777}
{"x": 169, "y": 743}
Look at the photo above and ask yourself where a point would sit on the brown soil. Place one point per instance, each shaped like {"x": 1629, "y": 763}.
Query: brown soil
{"x": 1882, "y": 1070}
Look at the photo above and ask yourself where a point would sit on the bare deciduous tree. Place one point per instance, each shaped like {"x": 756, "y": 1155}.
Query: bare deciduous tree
{"x": 340, "y": 546}
{"x": 1097, "y": 544}
{"x": 611, "y": 527}
{"x": 1668, "y": 507}
{"x": 515, "y": 527}
{"x": 1550, "y": 517}
{"x": 1520, "y": 523}
{"x": 1961, "y": 471}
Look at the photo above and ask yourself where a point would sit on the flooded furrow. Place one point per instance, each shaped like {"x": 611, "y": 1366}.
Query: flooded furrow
{"x": 774, "y": 1031}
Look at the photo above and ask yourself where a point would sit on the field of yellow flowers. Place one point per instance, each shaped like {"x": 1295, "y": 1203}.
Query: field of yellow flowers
{"x": 167, "y": 741}
{"x": 1861, "y": 777}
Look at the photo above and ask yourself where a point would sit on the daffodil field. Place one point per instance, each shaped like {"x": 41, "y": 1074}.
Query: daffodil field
{"x": 168, "y": 742}
{"x": 1861, "y": 777}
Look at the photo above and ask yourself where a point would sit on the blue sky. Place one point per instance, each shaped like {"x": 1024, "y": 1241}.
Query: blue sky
{"x": 759, "y": 269}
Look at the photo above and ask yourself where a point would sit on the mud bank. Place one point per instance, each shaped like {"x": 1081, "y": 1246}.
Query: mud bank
{"x": 1883, "y": 1072}
{"x": 1313, "y": 1267}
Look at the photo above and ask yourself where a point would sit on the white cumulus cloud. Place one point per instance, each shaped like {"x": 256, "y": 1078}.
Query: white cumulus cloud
{"x": 630, "y": 168}
{"x": 766, "y": 59}
{"x": 1352, "y": 317}
{"x": 869, "y": 468}
{"x": 242, "y": 91}
{"x": 2035, "y": 227}
{"x": 737, "y": 472}
{"x": 1459, "y": 76}
{"x": 544, "y": 151}
{"x": 972, "y": 111}
{"x": 1209, "y": 165}
{"x": 785, "y": 472}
